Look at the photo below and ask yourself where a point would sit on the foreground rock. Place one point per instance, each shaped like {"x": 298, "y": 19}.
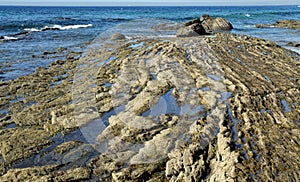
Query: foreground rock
{"x": 224, "y": 108}
{"x": 203, "y": 26}
{"x": 281, "y": 24}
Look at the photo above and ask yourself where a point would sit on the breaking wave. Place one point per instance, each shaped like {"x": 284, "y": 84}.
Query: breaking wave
{"x": 58, "y": 27}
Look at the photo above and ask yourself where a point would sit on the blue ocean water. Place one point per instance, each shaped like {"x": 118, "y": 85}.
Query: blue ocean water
{"x": 29, "y": 31}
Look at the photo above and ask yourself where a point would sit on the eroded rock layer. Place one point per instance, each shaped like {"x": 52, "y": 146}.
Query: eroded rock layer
{"x": 220, "y": 108}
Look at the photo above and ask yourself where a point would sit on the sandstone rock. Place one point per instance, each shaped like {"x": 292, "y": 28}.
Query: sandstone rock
{"x": 203, "y": 26}
{"x": 220, "y": 24}
{"x": 76, "y": 174}
{"x": 105, "y": 167}
{"x": 66, "y": 146}
{"x": 46, "y": 173}
{"x": 211, "y": 24}
{"x": 29, "y": 174}
{"x": 17, "y": 144}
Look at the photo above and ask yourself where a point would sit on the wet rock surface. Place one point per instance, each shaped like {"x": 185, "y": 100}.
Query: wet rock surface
{"x": 294, "y": 24}
{"x": 221, "y": 108}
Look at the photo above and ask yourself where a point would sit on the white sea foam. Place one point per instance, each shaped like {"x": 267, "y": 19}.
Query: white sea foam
{"x": 248, "y": 15}
{"x": 68, "y": 27}
{"x": 58, "y": 27}
{"x": 32, "y": 29}
{"x": 75, "y": 26}
{"x": 9, "y": 38}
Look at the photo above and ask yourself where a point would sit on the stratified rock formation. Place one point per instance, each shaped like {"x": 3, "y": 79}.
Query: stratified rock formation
{"x": 203, "y": 26}
{"x": 211, "y": 24}
{"x": 281, "y": 24}
{"x": 223, "y": 108}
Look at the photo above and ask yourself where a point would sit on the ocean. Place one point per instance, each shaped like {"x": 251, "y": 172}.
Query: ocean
{"x": 29, "y": 34}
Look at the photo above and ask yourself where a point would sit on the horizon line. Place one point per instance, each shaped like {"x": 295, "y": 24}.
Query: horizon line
{"x": 49, "y": 5}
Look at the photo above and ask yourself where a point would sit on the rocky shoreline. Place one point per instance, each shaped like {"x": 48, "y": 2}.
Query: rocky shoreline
{"x": 204, "y": 108}
{"x": 281, "y": 24}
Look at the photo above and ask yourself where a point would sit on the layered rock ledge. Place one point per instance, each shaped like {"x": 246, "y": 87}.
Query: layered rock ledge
{"x": 281, "y": 24}
{"x": 218, "y": 108}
